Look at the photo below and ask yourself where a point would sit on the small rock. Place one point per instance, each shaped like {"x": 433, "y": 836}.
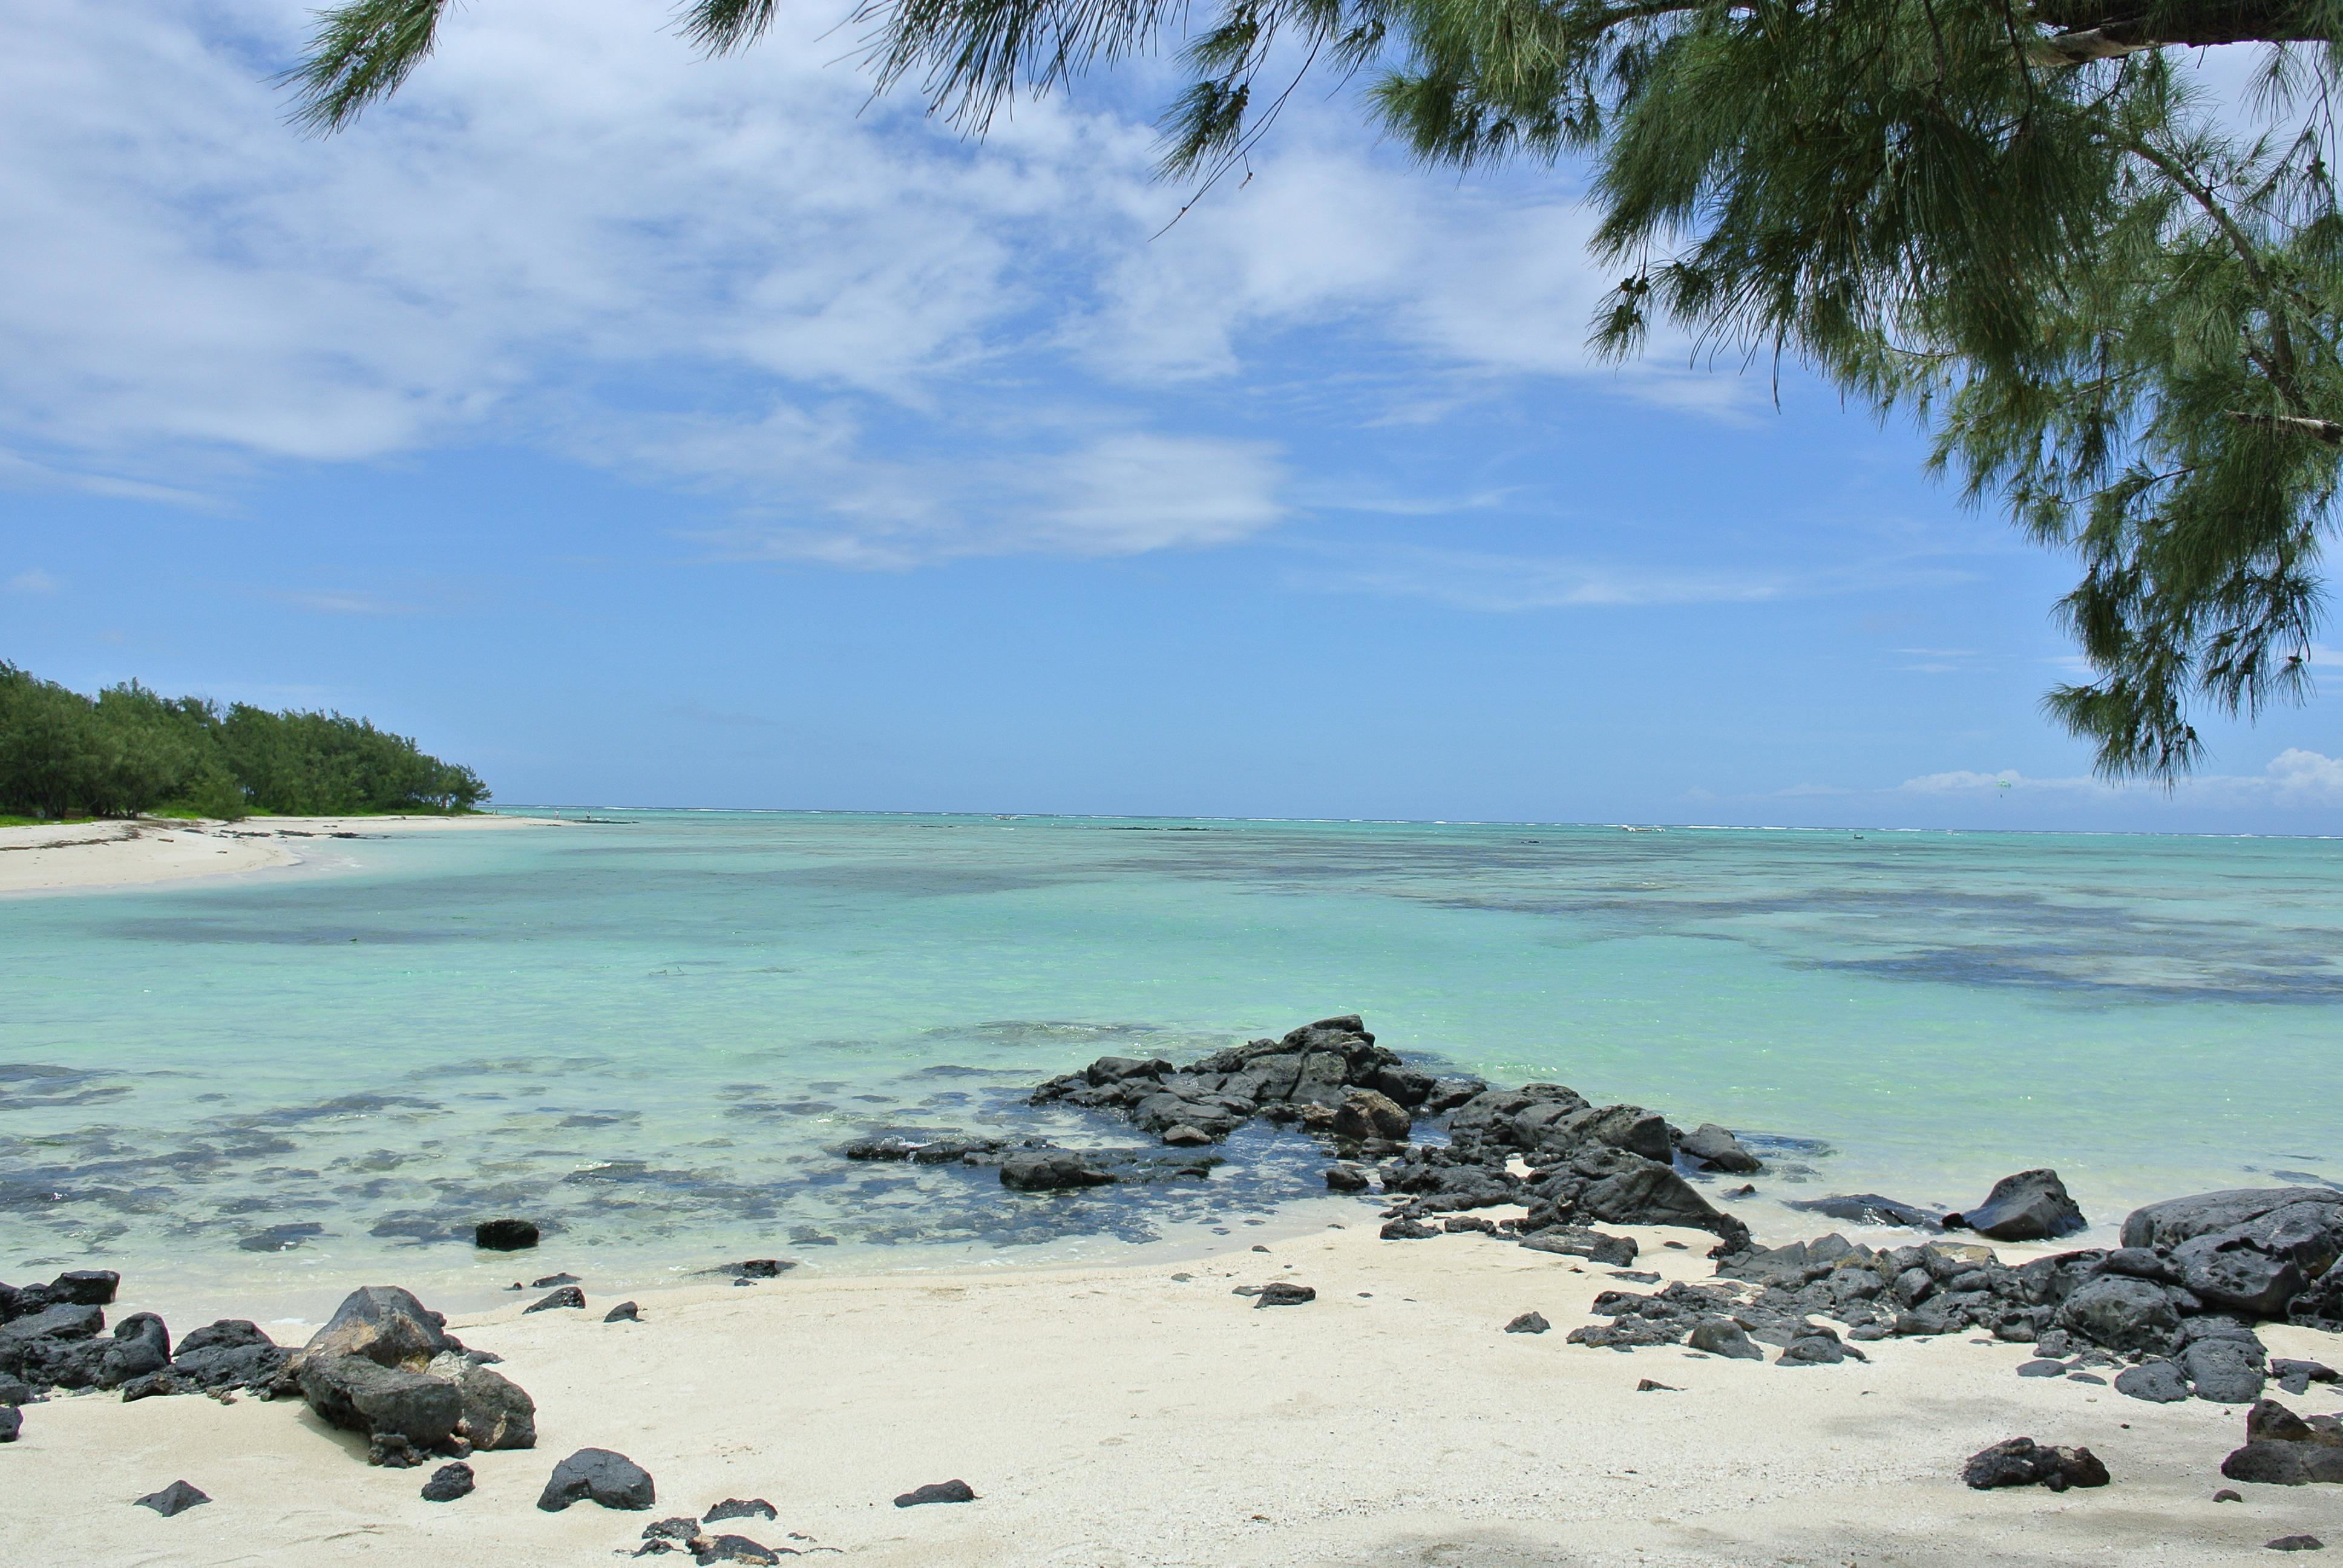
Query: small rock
{"x": 682, "y": 1527}
{"x": 1367, "y": 1113}
{"x": 12, "y": 1422}
{"x": 937, "y": 1492}
{"x": 2295, "y": 1544}
{"x": 2048, "y": 1369}
{"x": 597, "y": 1475}
{"x": 2309, "y": 1372}
{"x": 707, "y": 1549}
{"x": 15, "y": 1391}
{"x": 1406, "y": 1229}
{"x": 1646, "y": 1385}
{"x": 2022, "y": 1461}
{"x": 504, "y": 1235}
{"x": 1259, "y": 1247}
{"x": 546, "y": 1283}
{"x": 741, "y": 1508}
{"x": 1528, "y": 1324}
{"x": 448, "y": 1483}
{"x": 1279, "y": 1293}
{"x": 624, "y": 1313}
{"x": 174, "y": 1499}
{"x": 1345, "y": 1179}
{"x": 1723, "y": 1337}
{"x": 567, "y": 1296}
{"x": 1186, "y": 1137}
{"x": 2158, "y": 1382}
{"x": 2229, "y": 1494}
{"x": 2092, "y": 1378}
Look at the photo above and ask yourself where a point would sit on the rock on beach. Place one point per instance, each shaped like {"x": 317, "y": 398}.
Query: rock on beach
{"x": 597, "y": 1475}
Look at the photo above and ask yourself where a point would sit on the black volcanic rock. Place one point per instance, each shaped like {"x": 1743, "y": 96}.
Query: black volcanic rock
{"x": 2031, "y": 1206}
{"x": 597, "y": 1475}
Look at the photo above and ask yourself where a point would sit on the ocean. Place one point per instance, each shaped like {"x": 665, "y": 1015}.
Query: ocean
{"x": 651, "y": 1031}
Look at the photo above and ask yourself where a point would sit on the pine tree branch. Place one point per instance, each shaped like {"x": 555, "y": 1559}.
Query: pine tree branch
{"x": 2328, "y": 431}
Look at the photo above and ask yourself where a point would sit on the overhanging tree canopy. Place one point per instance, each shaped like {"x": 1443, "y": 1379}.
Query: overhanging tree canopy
{"x": 2116, "y": 313}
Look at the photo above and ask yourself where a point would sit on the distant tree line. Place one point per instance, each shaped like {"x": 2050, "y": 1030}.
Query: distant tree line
{"x": 129, "y": 751}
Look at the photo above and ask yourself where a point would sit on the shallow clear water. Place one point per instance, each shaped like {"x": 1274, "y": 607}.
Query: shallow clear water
{"x": 650, "y": 1032}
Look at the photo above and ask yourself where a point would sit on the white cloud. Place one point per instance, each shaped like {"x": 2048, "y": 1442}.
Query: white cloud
{"x": 32, "y": 580}
{"x": 738, "y": 275}
{"x": 1115, "y": 495}
{"x": 2292, "y": 778}
{"x": 1500, "y": 583}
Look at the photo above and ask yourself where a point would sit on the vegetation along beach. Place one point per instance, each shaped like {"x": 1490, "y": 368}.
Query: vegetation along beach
{"x": 1472, "y": 785}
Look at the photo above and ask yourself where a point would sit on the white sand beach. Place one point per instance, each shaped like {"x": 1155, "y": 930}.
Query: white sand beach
{"x": 146, "y": 850}
{"x": 1120, "y": 1417}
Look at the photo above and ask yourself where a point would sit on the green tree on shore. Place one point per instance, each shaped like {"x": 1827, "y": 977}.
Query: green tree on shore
{"x": 129, "y": 751}
{"x": 2012, "y": 220}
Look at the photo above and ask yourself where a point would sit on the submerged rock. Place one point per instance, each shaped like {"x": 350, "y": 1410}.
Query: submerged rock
{"x": 1057, "y": 1169}
{"x": 1869, "y": 1208}
{"x": 505, "y": 1235}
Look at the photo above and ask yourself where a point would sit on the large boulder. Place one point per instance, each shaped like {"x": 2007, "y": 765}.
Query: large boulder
{"x": 2226, "y": 1371}
{"x": 38, "y": 1346}
{"x": 382, "y": 1324}
{"x": 364, "y": 1396}
{"x": 2229, "y": 1270}
{"x": 2031, "y": 1206}
{"x": 2122, "y": 1313}
{"x": 2177, "y": 1219}
{"x": 496, "y": 1411}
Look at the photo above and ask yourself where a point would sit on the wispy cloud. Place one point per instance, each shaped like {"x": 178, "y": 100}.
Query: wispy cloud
{"x": 569, "y": 225}
{"x": 32, "y": 580}
{"x": 1506, "y": 583}
{"x": 1115, "y": 495}
{"x": 331, "y": 602}
{"x": 21, "y": 473}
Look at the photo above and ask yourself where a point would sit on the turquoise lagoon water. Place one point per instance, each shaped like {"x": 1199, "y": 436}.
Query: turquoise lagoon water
{"x": 651, "y": 1032}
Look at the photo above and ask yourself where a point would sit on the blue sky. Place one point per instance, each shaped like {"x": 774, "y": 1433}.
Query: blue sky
{"x": 646, "y": 430}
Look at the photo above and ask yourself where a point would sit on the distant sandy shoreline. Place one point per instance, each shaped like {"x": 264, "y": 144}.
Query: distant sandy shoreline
{"x": 147, "y": 850}
{"x": 1147, "y": 1417}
